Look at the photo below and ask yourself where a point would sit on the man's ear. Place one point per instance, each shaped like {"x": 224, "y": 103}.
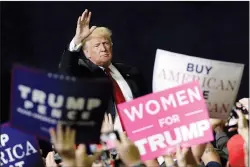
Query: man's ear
{"x": 85, "y": 51}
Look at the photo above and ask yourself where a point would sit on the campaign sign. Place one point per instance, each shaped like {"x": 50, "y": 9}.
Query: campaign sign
{"x": 18, "y": 149}
{"x": 40, "y": 99}
{"x": 158, "y": 122}
{"x": 219, "y": 80}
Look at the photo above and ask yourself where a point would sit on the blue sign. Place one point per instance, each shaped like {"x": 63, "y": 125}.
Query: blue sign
{"x": 18, "y": 149}
{"x": 41, "y": 99}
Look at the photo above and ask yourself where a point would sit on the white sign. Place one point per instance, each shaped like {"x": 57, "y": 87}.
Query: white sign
{"x": 219, "y": 80}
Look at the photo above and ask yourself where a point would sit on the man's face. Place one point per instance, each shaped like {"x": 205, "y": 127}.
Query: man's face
{"x": 99, "y": 51}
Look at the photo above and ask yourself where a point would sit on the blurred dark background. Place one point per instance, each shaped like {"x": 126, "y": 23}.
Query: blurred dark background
{"x": 36, "y": 33}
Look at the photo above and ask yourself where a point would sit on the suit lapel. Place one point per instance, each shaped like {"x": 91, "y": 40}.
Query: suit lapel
{"x": 92, "y": 67}
{"x": 129, "y": 79}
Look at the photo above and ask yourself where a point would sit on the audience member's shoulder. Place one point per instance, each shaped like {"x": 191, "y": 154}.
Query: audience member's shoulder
{"x": 213, "y": 164}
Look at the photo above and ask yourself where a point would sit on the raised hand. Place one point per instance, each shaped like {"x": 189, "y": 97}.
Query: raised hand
{"x": 181, "y": 155}
{"x": 64, "y": 143}
{"x": 82, "y": 29}
{"x": 50, "y": 161}
{"x": 128, "y": 152}
{"x": 107, "y": 124}
{"x": 185, "y": 157}
{"x": 83, "y": 159}
{"x": 169, "y": 159}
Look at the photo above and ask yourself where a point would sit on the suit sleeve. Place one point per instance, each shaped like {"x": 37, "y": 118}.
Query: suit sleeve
{"x": 69, "y": 62}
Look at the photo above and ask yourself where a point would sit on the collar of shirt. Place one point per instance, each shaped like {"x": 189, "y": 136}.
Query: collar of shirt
{"x": 111, "y": 67}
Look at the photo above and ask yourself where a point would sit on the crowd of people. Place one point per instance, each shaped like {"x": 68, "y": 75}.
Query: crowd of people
{"x": 223, "y": 151}
{"x": 89, "y": 55}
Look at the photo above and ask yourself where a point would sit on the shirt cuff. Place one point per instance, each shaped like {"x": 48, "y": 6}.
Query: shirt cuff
{"x": 73, "y": 47}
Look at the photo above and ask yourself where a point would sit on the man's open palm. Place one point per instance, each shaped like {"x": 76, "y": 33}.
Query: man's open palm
{"x": 82, "y": 29}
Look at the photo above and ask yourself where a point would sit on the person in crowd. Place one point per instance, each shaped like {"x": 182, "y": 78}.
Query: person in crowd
{"x": 237, "y": 145}
{"x": 64, "y": 143}
{"x": 220, "y": 139}
{"x": 128, "y": 154}
{"x": 89, "y": 55}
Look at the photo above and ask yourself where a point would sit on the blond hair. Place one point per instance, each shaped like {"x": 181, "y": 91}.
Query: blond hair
{"x": 99, "y": 32}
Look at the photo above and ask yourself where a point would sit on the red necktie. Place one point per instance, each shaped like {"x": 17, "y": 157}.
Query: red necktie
{"x": 119, "y": 98}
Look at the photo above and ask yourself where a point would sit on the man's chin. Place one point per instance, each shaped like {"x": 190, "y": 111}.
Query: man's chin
{"x": 105, "y": 63}
{"x": 106, "y": 58}
{"x": 106, "y": 55}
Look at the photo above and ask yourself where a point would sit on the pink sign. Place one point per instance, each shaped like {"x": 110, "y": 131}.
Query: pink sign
{"x": 158, "y": 122}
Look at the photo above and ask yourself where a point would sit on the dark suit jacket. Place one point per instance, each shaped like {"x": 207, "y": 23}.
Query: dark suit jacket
{"x": 76, "y": 64}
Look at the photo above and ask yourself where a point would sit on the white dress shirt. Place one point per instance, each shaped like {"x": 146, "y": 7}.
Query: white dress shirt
{"x": 126, "y": 91}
